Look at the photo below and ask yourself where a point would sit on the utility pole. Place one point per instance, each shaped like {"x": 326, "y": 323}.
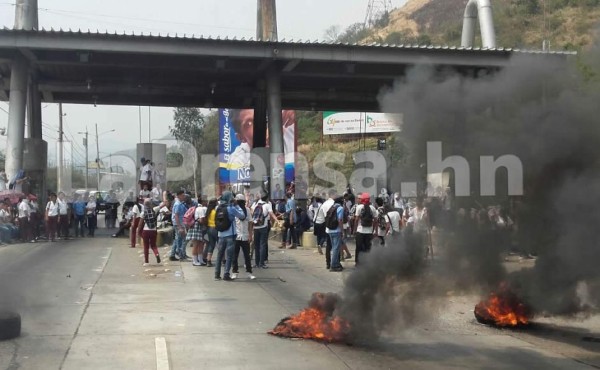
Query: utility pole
{"x": 85, "y": 144}
{"x": 60, "y": 168}
{"x": 140, "y": 120}
{"x": 266, "y": 29}
{"x": 149, "y": 126}
{"x": 97, "y": 160}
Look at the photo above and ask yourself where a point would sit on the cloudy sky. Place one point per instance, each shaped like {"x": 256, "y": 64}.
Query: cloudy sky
{"x": 304, "y": 19}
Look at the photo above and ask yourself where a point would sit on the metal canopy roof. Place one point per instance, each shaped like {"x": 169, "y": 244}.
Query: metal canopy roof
{"x": 104, "y": 68}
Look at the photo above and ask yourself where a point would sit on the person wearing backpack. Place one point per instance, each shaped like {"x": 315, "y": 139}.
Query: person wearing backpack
{"x": 365, "y": 221}
{"x": 196, "y": 223}
{"x": 148, "y": 231}
{"x": 383, "y": 224}
{"x": 319, "y": 222}
{"x": 179, "y": 210}
{"x": 322, "y": 214}
{"x": 261, "y": 213}
{"x": 243, "y": 238}
{"x": 227, "y": 212}
{"x": 334, "y": 221}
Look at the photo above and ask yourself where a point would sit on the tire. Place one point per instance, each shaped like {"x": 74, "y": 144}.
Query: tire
{"x": 10, "y": 324}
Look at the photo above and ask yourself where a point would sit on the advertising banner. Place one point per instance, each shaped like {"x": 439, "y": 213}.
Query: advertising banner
{"x": 339, "y": 123}
{"x": 236, "y": 131}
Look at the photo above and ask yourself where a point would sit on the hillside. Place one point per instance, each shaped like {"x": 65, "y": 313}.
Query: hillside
{"x": 570, "y": 24}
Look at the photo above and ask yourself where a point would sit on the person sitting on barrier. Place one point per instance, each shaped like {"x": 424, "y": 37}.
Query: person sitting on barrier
{"x": 125, "y": 223}
{"x": 8, "y": 230}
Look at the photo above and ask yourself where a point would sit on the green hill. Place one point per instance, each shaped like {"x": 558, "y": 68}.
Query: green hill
{"x": 566, "y": 24}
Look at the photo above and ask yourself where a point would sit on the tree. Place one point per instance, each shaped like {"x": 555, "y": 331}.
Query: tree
{"x": 189, "y": 127}
{"x": 332, "y": 33}
{"x": 354, "y": 33}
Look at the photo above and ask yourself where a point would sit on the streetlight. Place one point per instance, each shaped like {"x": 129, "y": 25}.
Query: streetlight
{"x": 98, "y": 156}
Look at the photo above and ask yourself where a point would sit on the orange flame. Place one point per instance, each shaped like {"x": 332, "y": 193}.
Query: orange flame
{"x": 503, "y": 308}
{"x": 315, "y": 324}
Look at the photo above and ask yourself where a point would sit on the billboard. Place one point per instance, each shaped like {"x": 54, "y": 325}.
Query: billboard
{"x": 339, "y": 123}
{"x": 236, "y": 131}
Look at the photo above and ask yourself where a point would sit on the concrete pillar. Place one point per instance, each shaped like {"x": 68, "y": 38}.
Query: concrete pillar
{"x": 260, "y": 116}
{"x": 26, "y": 15}
{"x": 277, "y": 171}
{"x": 34, "y": 110}
{"x": 19, "y": 77}
{"x": 266, "y": 20}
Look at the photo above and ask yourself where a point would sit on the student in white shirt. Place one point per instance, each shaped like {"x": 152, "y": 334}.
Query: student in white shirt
{"x": 243, "y": 231}
{"x": 135, "y": 221}
{"x": 52, "y": 212}
{"x": 365, "y": 222}
{"x": 24, "y": 228}
{"x": 261, "y": 230}
{"x": 148, "y": 231}
{"x": 92, "y": 220}
{"x": 63, "y": 216}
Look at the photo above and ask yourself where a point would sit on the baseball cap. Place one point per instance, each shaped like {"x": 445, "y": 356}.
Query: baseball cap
{"x": 240, "y": 197}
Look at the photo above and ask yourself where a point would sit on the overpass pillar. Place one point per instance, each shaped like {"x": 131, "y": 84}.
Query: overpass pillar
{"x": 16, "y": 115}
{"x": 277, "y": 160}
{"x": 34, "y": 109}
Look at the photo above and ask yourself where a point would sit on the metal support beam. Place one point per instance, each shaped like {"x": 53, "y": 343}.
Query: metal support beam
{"x": 16, "y": 115}
{"x": 277, "y": 168}
{"x": 292, "y": 64}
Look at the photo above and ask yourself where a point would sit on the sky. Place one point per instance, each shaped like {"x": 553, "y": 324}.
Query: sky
{"x": 305, "y": 19}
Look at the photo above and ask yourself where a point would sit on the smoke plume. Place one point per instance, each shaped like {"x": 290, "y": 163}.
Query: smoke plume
{"x": 542, "y": 109}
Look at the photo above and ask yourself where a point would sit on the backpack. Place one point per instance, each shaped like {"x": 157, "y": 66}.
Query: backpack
{"x": 281, "y": 207}
{"x": 222, "y": 221}
{"x": 259, "y": 214}
{"x": 366, "y": 216}
{"x": 189, "y": 218}
{"x": 150, "y": 219}
{"x": 331, "y": 220}
{"x": 381, "y": 222}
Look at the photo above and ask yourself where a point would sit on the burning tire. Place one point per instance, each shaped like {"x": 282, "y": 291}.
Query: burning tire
{"x": 10, "y": 324}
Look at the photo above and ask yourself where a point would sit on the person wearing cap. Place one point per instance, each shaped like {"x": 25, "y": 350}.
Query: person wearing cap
{"x": 364, "y": 224}
{"x": 179, "y": 209}
{"x": 227, "y": 237}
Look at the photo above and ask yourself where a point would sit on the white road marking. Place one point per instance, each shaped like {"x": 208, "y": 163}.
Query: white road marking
{"x": 162, "y": 356}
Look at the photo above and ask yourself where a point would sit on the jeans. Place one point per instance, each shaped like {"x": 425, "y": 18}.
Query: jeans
{"x": 5, "y": 234}
{"x": 92, "y": 221}
{"x": 336, "y": 242}
{"x": 178, "y": 244}
{"x": 363, "y": 244}
{"x": 289, "y": 235}
{"x": 245, "y": 247}
{"x": 261, "y": 238}
{"x": 78, "y": 223}
{"x": 226, "y": 245}
{"x": 213, "y": 238}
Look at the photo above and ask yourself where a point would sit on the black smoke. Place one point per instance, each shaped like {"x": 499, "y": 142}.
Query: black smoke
{"x": 543, "y": 109}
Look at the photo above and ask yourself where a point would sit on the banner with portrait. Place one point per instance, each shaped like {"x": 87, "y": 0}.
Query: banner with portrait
{"x": 236, "y": 131}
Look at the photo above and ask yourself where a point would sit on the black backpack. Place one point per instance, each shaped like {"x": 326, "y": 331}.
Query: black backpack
{"x": 222, "y": 221}
{"x": 331, "y": 220}
{"x": 366, "y": 216}
{"x": 381, "y": 219}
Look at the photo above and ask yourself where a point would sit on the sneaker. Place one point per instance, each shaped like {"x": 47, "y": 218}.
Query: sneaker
{"x": 157, "y": 258}
{"x": 203, "y": 264}
{"x": 209, "y": 264}
{"x": 112, "y": 236}
{"x": 217, "y": 278}
{"x": 292, "y": 247}
{"x": 320, "y": 249}
{"x": 173, "y": 258}
{"x": 146, "y": 264}
{"x": 226, "y": 277}
{"x": 194, "y": 263}
{"x": 348, "y": 256}
{"x": 337, "y": 269}
{"x": 264, "y": 267}
{"x": 250, "y": 276}
{"x": 234, "y": 276}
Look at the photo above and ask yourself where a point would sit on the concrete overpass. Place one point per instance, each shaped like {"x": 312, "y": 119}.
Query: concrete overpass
{"x": 178, "y": 70}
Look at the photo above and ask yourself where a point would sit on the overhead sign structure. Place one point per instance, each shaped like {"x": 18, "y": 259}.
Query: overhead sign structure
{"x": 340, "y": 123}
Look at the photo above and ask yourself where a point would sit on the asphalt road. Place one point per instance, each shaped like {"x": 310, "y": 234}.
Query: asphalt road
{"x": 90, "y": 304}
